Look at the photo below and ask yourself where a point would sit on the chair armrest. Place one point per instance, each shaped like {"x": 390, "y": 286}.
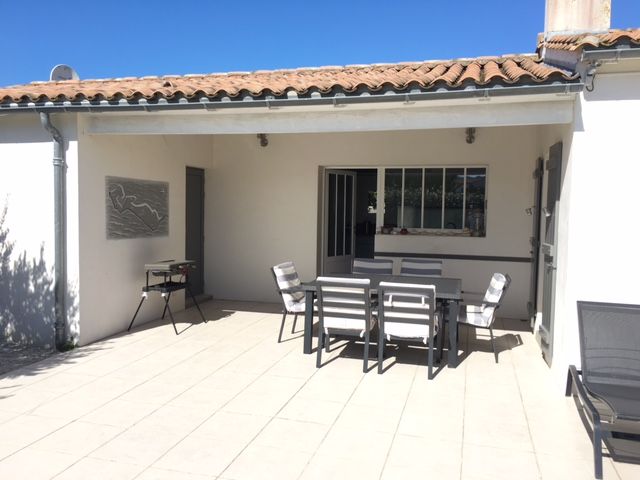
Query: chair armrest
{"x": 291, "y": 290}
{"x": 574, "y": 384}
{"x": 491, "y": 304}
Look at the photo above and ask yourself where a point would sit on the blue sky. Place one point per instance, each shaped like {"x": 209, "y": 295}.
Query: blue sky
{"x": 136, "y": 38}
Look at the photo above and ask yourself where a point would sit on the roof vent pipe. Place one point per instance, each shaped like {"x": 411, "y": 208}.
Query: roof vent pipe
{"x": 60, "y": 235}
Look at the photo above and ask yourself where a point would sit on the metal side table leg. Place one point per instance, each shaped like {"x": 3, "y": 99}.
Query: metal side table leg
{"x": 144, "y": 295}
{"x": 164, "y": 312}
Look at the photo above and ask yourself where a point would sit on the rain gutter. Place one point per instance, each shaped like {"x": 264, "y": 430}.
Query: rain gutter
{"x": 60, "y": 235}
{"x": 293, "y": 99}
{"x": 614, "y": 54}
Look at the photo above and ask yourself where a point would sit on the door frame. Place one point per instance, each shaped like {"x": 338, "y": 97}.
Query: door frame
{"x": 534, "y": 240}
{"x": 199, "y": 172}
{"x": 323, "y": 217}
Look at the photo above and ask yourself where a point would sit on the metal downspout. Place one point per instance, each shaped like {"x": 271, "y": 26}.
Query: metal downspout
{"x": 60, "y": 236}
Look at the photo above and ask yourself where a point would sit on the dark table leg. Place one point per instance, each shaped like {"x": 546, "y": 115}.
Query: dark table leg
{"x": 454, "y": 308}
{"x": 308, "y": 322}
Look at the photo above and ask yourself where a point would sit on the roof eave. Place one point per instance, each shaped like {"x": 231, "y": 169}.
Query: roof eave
{"x": 558, "y": 87}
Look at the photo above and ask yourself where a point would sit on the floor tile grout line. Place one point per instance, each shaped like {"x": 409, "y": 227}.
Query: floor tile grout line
{"x": 335, "y": 420}
{"x": 163, "y": 404}
{"x": 99, "y": 377}
{"x": 115, "y": 398}
{"x": 67, "y": 354}
{"x": 533, "y": 445}
{"x": 395, "y": 432}
{"x": 155, "y": 324}
{"x": 218, "y": 409}
{"x": 275, "y": 415}
{"x": 464, "y": 397}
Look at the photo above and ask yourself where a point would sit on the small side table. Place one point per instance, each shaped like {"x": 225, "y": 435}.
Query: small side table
{"x": 167, "y": 269}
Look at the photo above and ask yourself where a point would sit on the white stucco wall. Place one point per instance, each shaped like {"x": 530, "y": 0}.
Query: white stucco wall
{"x": 112, "y": 271}
{"x": 598, "y": 258}
{"x": 26, "y": 187}
{"x": 262, "y": 203}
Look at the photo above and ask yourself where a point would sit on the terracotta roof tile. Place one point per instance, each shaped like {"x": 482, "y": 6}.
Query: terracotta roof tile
{"x": 610, "y": 39}
{"x": 432, "y": 75}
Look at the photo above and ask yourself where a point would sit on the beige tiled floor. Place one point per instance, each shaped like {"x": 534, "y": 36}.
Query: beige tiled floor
{"x": 224, "y": 400}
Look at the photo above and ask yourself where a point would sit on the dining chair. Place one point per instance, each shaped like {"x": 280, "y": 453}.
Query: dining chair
{"x": 407, "y": 311}
{"x": 483, "y": 315}
{"x": 413, "y": 267}
{"x": 375, "y": 266}
{"x": 344, "y": 308}
{"x": 291, "y": 294}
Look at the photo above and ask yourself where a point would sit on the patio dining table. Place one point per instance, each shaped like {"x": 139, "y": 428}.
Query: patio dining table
{"x": 448, "y": 291}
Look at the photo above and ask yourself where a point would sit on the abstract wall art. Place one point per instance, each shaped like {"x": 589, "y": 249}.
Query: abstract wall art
{"x": 136, "y": 208}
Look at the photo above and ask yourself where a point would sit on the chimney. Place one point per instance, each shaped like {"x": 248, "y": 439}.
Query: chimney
{"x": 577, "y": 16}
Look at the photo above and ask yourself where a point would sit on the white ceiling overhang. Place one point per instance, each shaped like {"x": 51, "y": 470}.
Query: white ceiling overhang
{"x": 538, "y": 109}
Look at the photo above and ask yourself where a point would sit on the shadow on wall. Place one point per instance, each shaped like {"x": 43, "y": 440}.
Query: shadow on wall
{"x": 26, "y": 295}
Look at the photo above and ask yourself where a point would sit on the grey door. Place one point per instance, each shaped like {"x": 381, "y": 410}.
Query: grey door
{"x": 549, "y": 249}
{"x": 534, "y": 240}
{"x": 339, "y": 221}
{"x": 194, "y": 240}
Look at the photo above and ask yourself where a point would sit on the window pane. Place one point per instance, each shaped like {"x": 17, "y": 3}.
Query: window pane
{"x": 433, "y": 198}
{"x": 340, "y": 217}
{"x": 392, "y": 196}
{"x": 331, "y": 234}
{"x": 412, "y": 197}
{"x": 453, "y": 197}
{"x": 348, "y": 217}
{"x": 475, "y": 200}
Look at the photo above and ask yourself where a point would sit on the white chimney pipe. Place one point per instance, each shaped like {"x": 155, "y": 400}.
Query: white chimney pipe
{"x": 577, "y": 16}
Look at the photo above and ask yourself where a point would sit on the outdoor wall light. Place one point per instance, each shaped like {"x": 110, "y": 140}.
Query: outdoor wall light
{"x": 471, "y": 135}
{"x": 264, "y": 141}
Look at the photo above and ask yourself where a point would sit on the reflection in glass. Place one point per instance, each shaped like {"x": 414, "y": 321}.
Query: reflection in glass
{"x": 453, "y": 198}
{"x": 412, "y": 197}
{"x": 432, "y": 198}
{"x": 392, "y": 196}
{"x": 475, "y": 200}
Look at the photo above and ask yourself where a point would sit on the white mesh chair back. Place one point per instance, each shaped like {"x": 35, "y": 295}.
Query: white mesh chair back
{"x": 344, "y": 304}
{"x": 420, "y": 268}
{"x": 407, "y": 310}
{"x": 610, "y": 353}
{"x": 372, "y": 266}
{"x": 287, "y": 277}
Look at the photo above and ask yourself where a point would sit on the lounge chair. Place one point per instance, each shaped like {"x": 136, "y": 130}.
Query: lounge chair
{"x": 607, "y": 387}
